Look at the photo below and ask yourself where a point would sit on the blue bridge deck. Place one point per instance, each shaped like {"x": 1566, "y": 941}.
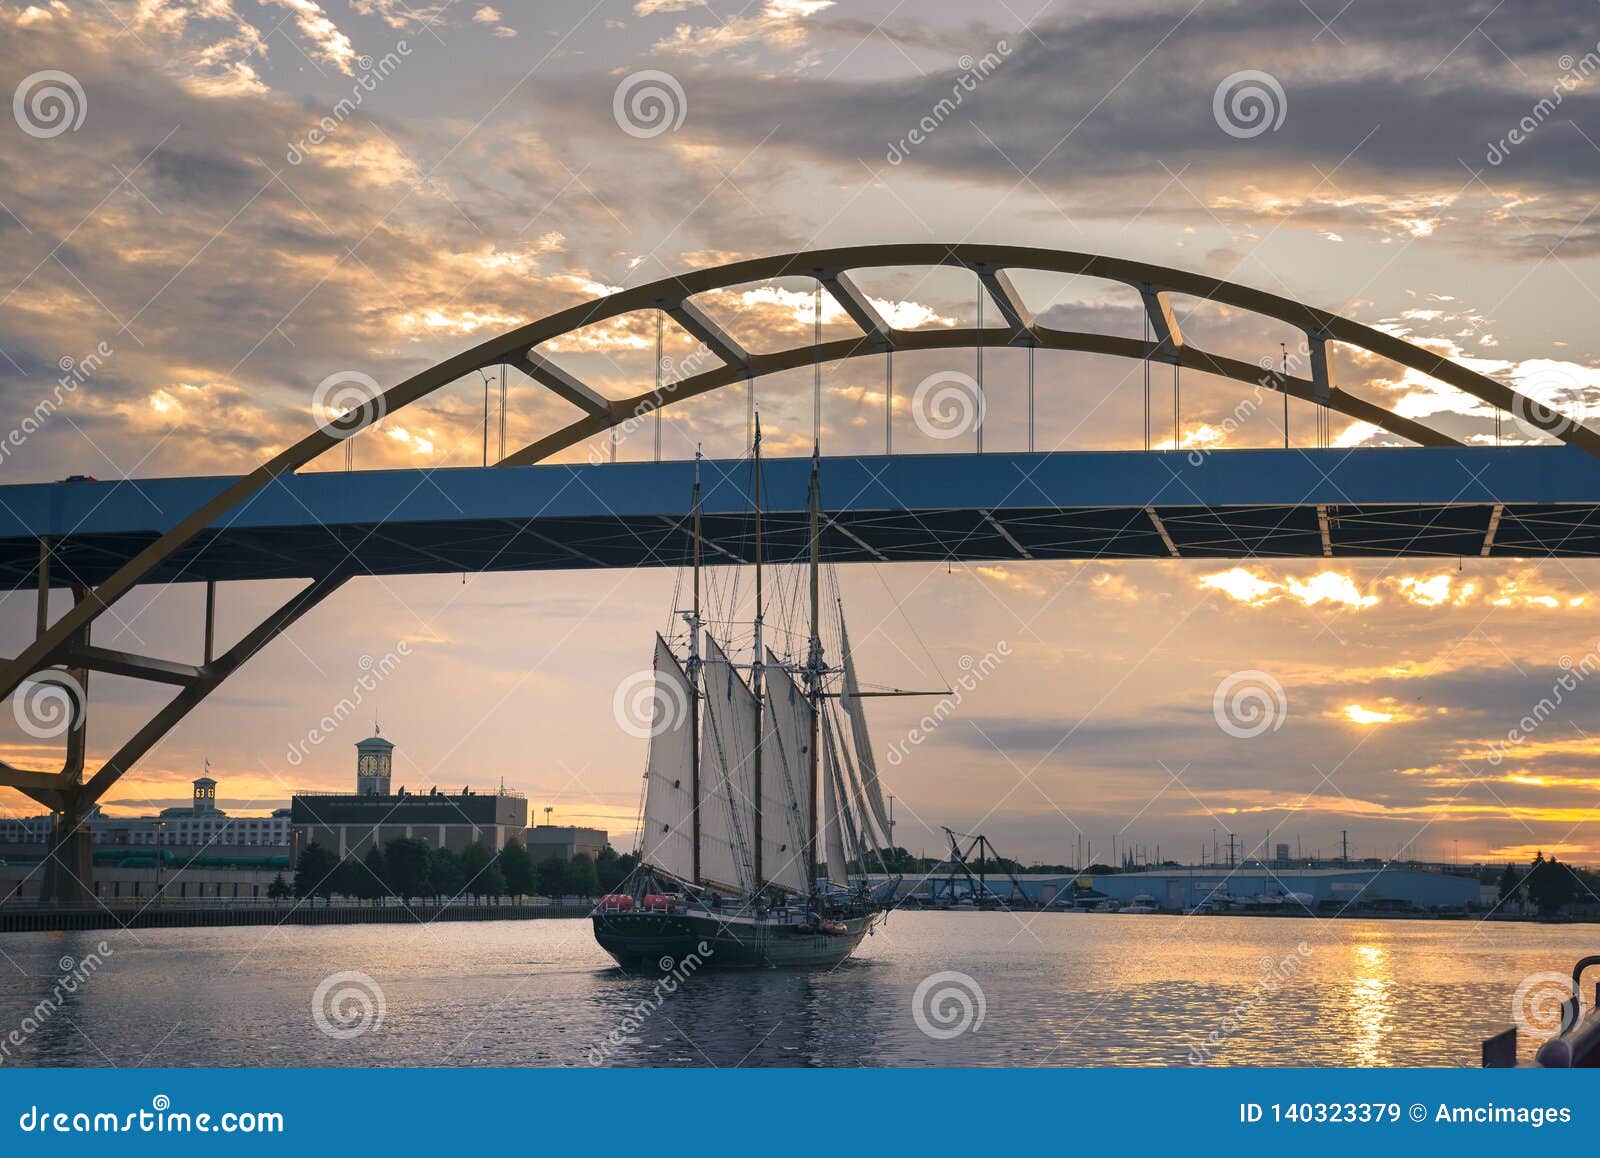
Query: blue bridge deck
{"x": 1513, "y": 501}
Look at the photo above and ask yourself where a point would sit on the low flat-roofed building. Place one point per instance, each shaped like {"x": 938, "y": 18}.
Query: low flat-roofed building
{"x": 564, "y": 841}
{"x": 198, "y": 825}
{"x": 349, "y": 823}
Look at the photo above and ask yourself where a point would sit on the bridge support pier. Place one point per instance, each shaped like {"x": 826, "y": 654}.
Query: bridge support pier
{"x": 69, "y": 865}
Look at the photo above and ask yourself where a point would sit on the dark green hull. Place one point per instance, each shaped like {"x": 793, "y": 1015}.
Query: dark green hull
{"x": 664, "y": 941}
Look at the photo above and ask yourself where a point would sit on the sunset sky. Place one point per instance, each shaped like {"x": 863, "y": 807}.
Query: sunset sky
{"x": 1430, "y": 169}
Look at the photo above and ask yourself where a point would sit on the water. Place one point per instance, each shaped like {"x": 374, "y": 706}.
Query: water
{"x": 1057, "y": 989}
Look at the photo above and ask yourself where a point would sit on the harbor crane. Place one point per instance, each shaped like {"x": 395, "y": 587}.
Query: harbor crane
{"x": 986, "y": 854}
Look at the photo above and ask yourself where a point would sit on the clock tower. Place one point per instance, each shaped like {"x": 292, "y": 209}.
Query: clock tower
{"x": 374, "y": 756}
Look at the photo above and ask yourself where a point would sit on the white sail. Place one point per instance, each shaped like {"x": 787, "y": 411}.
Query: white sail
{"x": 728, "y": 768}
{"x": 785, "y": 781}
{"x": 865, "y": 763}
{"x": 834, "y": 817}
{"x": 859, "y": 838}
{"x": 667, "y": 842}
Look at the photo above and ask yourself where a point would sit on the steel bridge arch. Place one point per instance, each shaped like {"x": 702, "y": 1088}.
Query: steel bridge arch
{"x": 65, "y": 643}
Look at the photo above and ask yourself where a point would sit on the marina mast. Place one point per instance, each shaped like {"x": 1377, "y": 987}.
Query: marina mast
{"x": 694, "y": 682}
{"x": 757, "y": 663}
{"x": 814, "y": 671}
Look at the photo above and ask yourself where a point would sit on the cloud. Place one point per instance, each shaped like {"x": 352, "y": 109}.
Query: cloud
{"x": 328, "y": 43}
{"x": 1099, "y": 109}
{"x": 780, "y": 25}
{"x": 1522, "y": 587}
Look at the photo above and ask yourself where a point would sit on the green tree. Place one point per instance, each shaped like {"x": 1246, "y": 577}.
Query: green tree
{"x": 613, "y": 868}
{"x": 1551, "y": 886}
{"x": 375, "y": 881}
{"x": 279, "y": 889}
{"x": 582, "y": 878}
{"x": 313, "y": 874}
{"x": 407, "y": 869}
{"x": 483, "y": 876}
{"x": 1510, "y": 882}
{"x": 447, "y": 876}
{"x": 517, "y": 867}
{"x": 554, "y": 879}
{"x": 350, "y": 878}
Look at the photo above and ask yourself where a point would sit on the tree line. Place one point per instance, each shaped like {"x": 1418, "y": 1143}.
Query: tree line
{"x": 408, "y": 868}
{"x": 1546, "y": 883}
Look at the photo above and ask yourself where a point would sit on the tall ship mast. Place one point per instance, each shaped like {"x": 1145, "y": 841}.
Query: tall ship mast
{"x": 763, "y": 813}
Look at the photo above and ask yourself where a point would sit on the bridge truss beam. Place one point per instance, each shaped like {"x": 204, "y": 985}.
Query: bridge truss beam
{"x": 66, "y": 641}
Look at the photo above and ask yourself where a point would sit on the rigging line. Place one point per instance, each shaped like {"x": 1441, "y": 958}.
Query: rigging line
{"x": 502, "y": 450}
{"x": 638, "y": 813}
{"x": 485, "y": 378}
{"x": 900, "y": 610}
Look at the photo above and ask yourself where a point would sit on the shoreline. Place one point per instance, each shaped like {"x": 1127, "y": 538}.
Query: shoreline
{"x": 168, "y": 916}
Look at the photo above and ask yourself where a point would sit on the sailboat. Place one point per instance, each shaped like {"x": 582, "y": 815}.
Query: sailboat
{"x": 763, "y": 811}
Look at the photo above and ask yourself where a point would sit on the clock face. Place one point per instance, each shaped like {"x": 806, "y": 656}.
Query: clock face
{"x": 368, "y": 764}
